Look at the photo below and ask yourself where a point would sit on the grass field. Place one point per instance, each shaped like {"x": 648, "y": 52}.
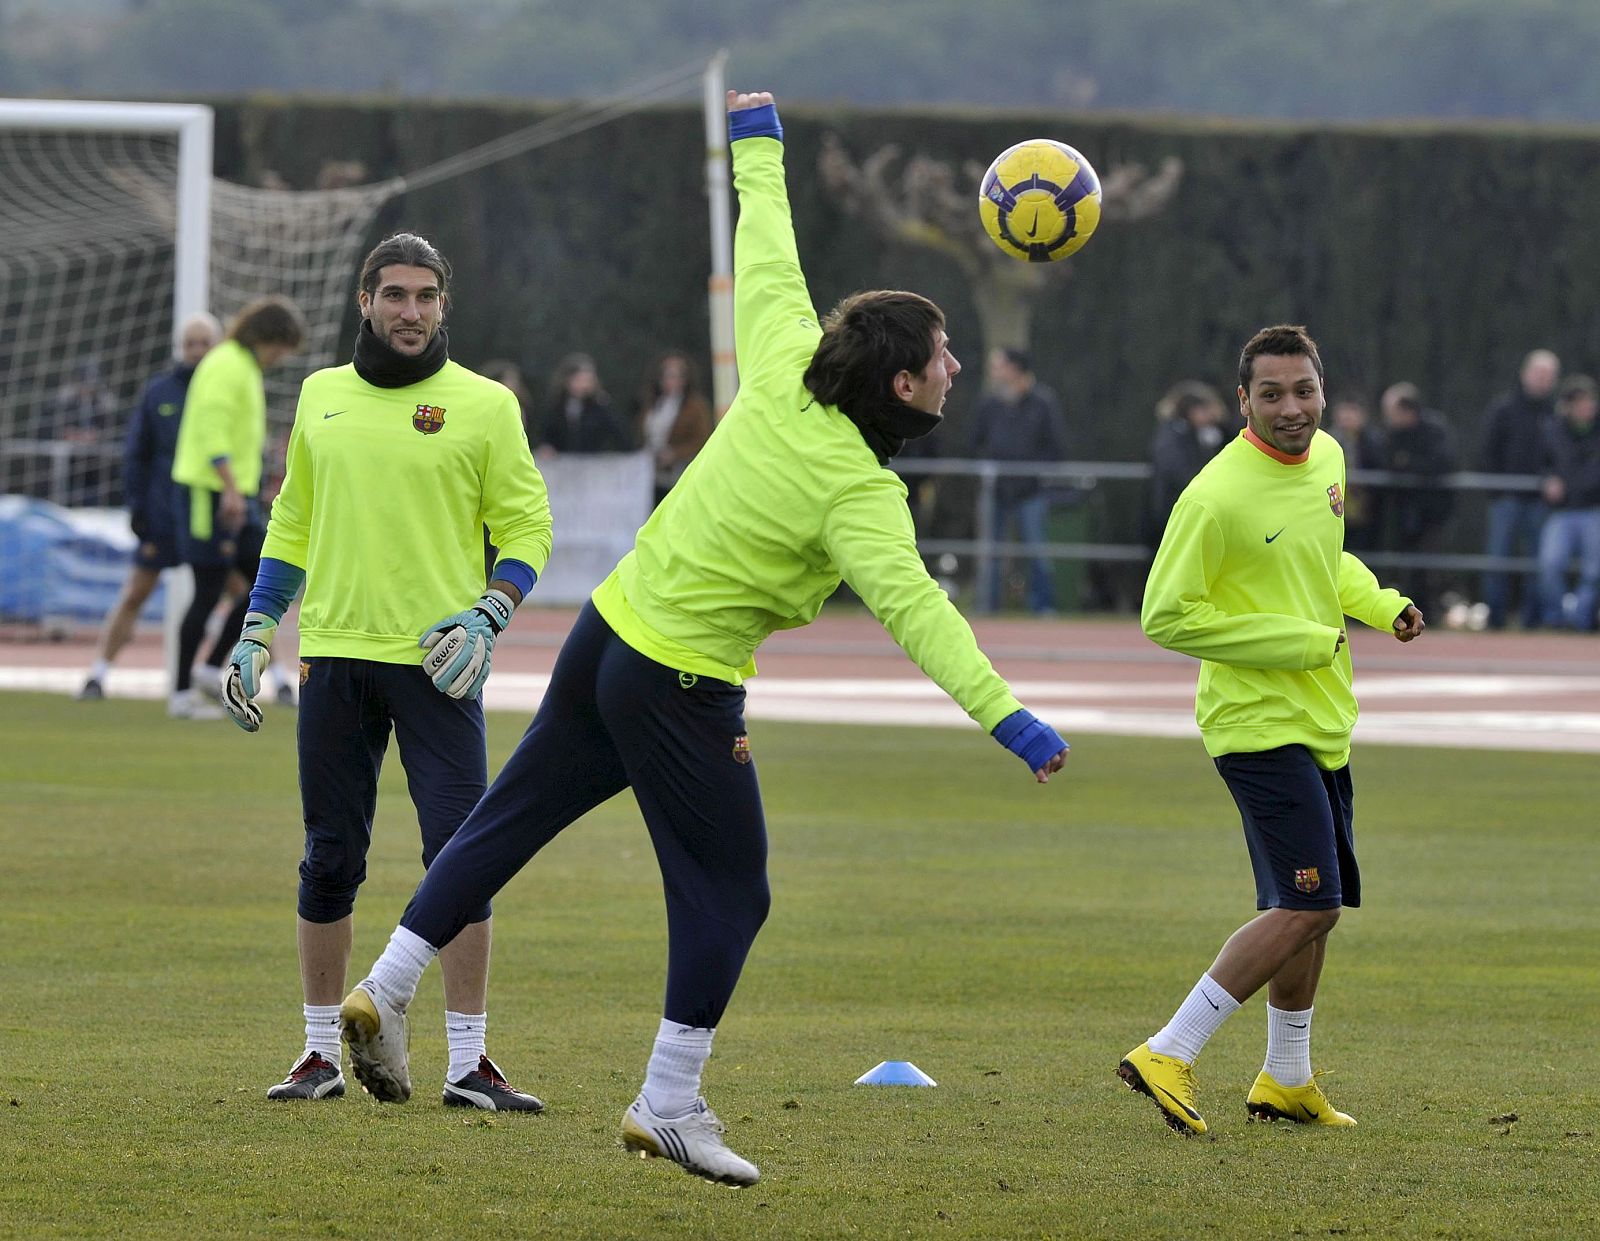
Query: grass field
{"x": 931, "y": 904}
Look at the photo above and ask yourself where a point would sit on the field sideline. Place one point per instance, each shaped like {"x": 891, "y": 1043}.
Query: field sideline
{"x": 930, "y": 904}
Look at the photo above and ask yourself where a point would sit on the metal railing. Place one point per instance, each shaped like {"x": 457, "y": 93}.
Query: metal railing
{"x": 1085, "y": 476}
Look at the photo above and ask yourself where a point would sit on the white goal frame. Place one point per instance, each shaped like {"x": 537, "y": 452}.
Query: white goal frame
{"x": 193, "y": 125}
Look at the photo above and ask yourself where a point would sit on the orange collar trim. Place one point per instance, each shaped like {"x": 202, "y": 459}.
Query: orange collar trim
{"x": 1281, "y": 457}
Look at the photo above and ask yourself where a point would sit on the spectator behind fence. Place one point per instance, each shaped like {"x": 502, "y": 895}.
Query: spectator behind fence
{"x": 1415, "y": 515}
{"x": 1018, "y": 419}
{"x": 1188, "y": 433}
{"x": 579, "y": 417}
{"x": 1351, "y": 424}
{"x": 673, "y": 418}
{"x": 1514, "y": 442}
{"x": 1572, "y": 488}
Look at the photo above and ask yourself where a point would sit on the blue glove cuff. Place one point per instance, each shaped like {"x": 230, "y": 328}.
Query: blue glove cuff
{"x": 1029, "y": 738}
{"x": 277, "y": 583}
{"x": 759, "y": 122}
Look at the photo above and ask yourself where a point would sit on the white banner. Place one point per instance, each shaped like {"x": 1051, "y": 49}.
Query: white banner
{"x": 598, "y": 501}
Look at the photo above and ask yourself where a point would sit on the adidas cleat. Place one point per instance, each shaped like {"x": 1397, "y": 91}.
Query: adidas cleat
{"x": 377, "y": 1034}
{"x": 1169, "y": 1082}
{"x": 692, "y": 1141}
{"x": 1305, "y": 1105}
{"x": 313, "y": 1078}
{"x": 486, "y": 1087}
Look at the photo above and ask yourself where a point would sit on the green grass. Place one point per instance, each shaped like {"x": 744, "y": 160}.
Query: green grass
{"x": 931, "y": 904}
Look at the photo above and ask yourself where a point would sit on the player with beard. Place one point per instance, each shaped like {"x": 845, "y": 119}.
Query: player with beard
{"x": 396, "y": 464}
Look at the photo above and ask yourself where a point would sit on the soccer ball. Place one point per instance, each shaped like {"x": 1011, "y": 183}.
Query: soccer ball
{"x": 1040, "y": 200}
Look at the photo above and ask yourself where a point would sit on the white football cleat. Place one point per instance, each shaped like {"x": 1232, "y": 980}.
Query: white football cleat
{"x": 692, "y": 1141}
{"x": 377, "y": 1034}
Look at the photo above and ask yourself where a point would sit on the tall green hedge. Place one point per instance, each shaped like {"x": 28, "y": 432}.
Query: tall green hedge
{"x": 1428, "y": 253}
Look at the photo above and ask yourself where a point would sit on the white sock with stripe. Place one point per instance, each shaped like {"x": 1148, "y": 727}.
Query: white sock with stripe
{"x": 465, "y": 1033}
{"x": 1288, "y": 1046}
{"x": 672, "y": 1080}
{"x": 1197, "y": 1019}
{"x": 322, "y": 1031}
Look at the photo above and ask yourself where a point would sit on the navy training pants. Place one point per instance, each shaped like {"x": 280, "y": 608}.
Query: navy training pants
{"x": 613, "y": 719}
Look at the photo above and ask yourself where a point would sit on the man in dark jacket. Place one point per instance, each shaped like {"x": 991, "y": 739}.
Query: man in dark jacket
{"x": 1019, "y": 419}
{"x": 1417, "y": 441}
{"x": 1572, "y": 489}
{"x": 1514, "y": 443}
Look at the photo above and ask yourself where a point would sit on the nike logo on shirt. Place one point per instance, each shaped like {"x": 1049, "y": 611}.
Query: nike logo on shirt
{"x": 337, "y": 412}
{"x": 1281, "y": 529}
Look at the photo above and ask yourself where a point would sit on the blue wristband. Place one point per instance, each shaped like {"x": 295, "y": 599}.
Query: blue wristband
{"x": 1029, "y": 738}
{"x": 518, "y": 572}
{"x": 277, "y": 583}
{"x": 759, "y": 122}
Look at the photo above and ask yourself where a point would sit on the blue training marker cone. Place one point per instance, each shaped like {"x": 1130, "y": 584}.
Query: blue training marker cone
{"x": 895, "y": 1073}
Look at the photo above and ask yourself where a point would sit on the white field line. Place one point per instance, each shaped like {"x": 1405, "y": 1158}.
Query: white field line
{"x": 1071, "y": 706}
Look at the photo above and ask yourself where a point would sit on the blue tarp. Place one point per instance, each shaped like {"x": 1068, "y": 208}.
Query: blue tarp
{"x": 64, "y": 564}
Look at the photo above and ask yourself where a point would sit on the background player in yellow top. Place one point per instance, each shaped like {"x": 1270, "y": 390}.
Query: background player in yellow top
{"x": 396, "y": 463}
{"x": 1253, "y": 579}
{"x": 789, "y": 495}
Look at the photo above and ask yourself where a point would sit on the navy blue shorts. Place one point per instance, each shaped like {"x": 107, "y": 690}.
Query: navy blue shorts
{"x": 613, "y": 719}
{"x": 203, "y": 542}
{"x": 1297, "y": 823}
{"x": 348, "y": 707}
{"x": 157, "y": 548}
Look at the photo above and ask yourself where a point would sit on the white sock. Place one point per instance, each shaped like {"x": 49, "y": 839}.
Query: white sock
{"x": 1197, "y": 1019}
{"x": 322, "y": 1031}
{"x": 398, "y": 971}
{"x": 465, "y": 1033}
{"x": 276, "y": 677}
{"x": 672, "y": 1081}
{"x": 98, "y": 670}
{"x": 1288, "y": 1046}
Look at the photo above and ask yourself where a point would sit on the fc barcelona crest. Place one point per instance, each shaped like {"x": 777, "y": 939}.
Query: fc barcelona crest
{"x": 741, "y": 748}
{"x": 428, "y": 419}
{"x": 1307, "y": 880}
{"x": 1335, "y": 497}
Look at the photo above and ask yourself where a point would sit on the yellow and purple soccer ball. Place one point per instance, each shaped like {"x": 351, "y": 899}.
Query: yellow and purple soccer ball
{"x": 1040, "y": 200}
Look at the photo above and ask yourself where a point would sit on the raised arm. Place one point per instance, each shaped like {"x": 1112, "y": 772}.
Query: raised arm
{"x": 774, "y": 321}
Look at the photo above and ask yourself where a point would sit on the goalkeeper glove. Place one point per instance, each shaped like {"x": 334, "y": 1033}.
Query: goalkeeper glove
{"x": 460, "y": 647}
{"x": 1029, "y": 738}
{"x": 241, "y": 679}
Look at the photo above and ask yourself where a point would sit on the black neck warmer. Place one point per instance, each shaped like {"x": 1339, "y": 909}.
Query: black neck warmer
{"x": 383, "y": 367}
{"x": 886, "y": 429}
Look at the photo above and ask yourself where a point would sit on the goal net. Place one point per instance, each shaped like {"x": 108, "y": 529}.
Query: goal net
{"x": 112, "y": 231}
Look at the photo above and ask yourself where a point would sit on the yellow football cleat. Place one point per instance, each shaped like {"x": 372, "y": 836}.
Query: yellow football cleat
{"x": 1305, "y": 1105}
{"x": 1167, "y": 1080}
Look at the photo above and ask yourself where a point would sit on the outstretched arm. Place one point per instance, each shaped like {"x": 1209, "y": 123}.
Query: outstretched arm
{"x": 774, "y": 322}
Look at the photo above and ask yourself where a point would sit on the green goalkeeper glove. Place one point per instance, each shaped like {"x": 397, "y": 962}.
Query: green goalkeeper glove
{"x": 460, "y": 647}
{"x": 241, "y": 680}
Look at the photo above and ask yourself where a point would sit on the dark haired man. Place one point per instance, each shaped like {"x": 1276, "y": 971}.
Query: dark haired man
{"x": 1018, "y": 419}
{"x": 1252, "y": 578}
{"x": 217, "y": 464}
{"x": 788, "y": 496}
{"x": 396, "y": 463}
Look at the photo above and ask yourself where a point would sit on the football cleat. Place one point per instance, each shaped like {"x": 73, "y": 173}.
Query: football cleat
{"x": 377, "y": 1034}
{"x": 92, "y": 691}
{"x": 486, "y": 1087}
{"x": 283, "y": 696}
{"x": 1167, "y": 1080}
{"x": 692, "y": 1141}
{"x": 312, "y": 1078}
{"x": 186, "y": 704}
{"x": 1305, "y": 1105}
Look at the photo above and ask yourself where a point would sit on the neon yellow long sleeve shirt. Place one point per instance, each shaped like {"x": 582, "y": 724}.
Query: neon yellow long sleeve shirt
{"x": 1253, "y": 580}
{"x": 785, "y": 500}
{"x": 224, "y": 416}
{"x": 384, "y": 503}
